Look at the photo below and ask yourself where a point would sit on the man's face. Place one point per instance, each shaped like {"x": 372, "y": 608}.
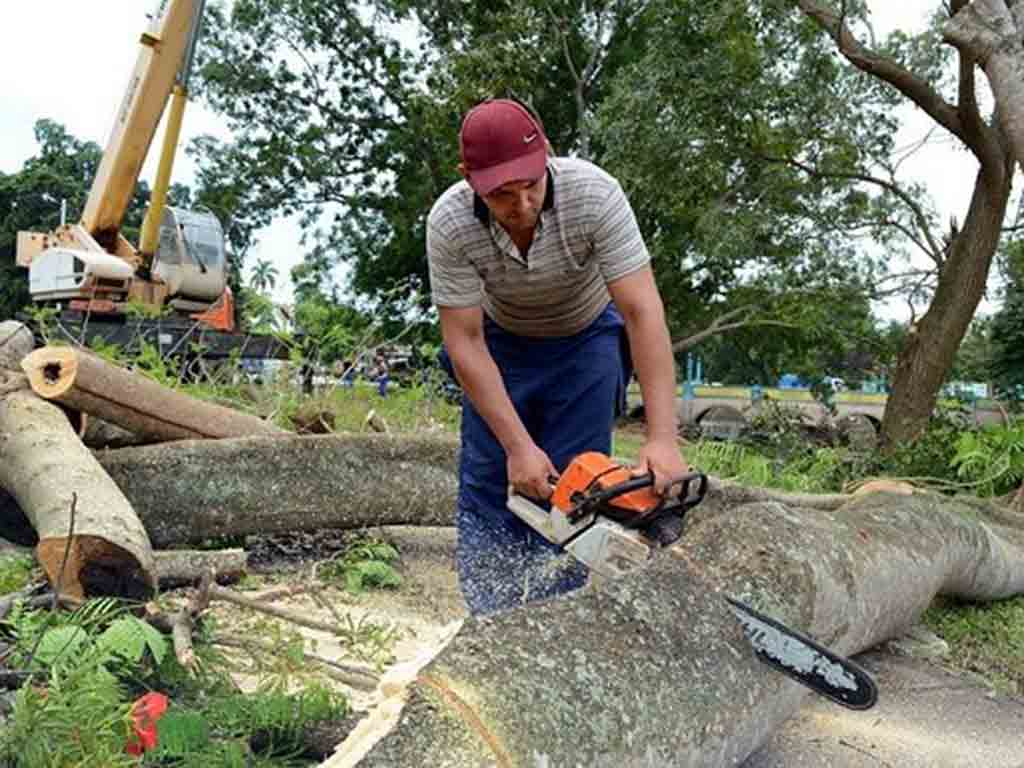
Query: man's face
{"x": 517, "y": 205}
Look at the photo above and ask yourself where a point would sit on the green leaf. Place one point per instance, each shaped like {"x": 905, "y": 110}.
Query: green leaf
{"x": 129, "y": 637}
{"x": 61, "y": 643}
{"x": 181, "y": 733}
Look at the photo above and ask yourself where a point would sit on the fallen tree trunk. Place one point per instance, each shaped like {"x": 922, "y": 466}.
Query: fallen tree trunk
{"x": 153, "y": 412}
{"x": 90, "y": 541}
{"x": 192, "y": 491}
{"x": 653, "y": 670}
{"x": 187, "y": 492}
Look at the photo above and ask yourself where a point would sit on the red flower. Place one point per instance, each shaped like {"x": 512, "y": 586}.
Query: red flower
{"x": 145, "y": 712}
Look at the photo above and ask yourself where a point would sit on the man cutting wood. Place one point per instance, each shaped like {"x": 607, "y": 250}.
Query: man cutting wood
{"x": 547, "y": 304}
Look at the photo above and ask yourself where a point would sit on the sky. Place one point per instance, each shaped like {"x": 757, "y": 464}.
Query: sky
{"x": 69, "y": 61}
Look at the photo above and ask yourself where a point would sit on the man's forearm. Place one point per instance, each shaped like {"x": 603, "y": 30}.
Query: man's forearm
{"x": 655, "y": 367}
{"x": 481, "y": 381}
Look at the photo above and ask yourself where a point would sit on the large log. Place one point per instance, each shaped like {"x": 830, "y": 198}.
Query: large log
{"x": 194, "y": 490}
{"x": 653, "y": 670}
{"x": 84, "y": 382}
{"x": 89, "y": 539}
{"x": 187, "y": 492}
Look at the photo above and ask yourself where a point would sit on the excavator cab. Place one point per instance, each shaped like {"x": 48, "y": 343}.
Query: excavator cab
{"x": 190, "y": 258}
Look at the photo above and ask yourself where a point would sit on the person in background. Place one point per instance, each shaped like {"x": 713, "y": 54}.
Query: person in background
{"x": 547, "y": 302}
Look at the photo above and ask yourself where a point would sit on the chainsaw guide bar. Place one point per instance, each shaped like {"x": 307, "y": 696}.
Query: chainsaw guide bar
{"x": 797, "y": 656}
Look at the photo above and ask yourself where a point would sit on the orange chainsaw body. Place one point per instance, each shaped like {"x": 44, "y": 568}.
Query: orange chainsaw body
{"x": 593, "y": 472}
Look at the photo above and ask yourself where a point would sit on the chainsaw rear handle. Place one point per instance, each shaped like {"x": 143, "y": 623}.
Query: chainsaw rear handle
{"x": 687, "y": 499}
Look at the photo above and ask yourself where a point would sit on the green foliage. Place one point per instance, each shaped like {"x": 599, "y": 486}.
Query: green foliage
{"x": 184, "y": 733}
{"x": 15, "y": 571}
{"x": 365, "y": 563}
{"x": 95, "y": 663}
{"x": 80, "y": 718}
{"x": 129, "y": 638}
{"x": 930, "y": 456}
{"x": 778, "y": 452}
{"x": 44, "y": 320}
{"x": 1006, "y": 330}
{"x": 264, "y": 276}
{"x": 815, "y": 471}
{"x": 991, "y": 461}
{"x": 975, "y": 360}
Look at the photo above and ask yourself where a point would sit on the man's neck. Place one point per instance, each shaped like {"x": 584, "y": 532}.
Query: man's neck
{"x": 522, "y": 238}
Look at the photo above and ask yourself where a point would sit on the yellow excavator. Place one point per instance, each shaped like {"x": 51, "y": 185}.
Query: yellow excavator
{"x": 90, "y": 267}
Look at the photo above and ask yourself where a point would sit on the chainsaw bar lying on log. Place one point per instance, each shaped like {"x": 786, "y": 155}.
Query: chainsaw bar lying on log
{"x": 801, "y": 658}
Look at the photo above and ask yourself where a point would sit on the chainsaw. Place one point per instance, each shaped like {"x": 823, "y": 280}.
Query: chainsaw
{"x": 612, "y": 521}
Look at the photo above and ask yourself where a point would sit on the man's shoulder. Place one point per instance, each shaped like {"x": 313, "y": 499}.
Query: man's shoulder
{"x": 453, "y": 207}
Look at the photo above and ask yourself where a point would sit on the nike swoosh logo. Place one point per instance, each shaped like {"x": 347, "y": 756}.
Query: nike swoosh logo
{"x": 528, "y": 139}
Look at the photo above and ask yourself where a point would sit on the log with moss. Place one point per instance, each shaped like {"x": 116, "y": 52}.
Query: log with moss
{"x": 195, "y": 490}
{"x": 653, "y": 669}
{"x": 85, "y": 382}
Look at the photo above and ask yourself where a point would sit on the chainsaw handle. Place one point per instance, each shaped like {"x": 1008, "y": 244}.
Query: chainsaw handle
{"x": 686, "y": 500}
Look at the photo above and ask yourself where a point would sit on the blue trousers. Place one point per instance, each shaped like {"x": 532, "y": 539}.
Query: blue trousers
{"x": 567, "y": 391}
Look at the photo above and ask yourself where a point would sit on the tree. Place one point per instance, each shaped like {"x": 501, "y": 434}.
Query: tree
{"x": 963, "y": 258}
{"x": 264, "y": 276}
{"x": 755, "y": 160}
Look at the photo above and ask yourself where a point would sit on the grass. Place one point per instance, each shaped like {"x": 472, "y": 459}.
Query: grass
{"x": 986, "y": 639}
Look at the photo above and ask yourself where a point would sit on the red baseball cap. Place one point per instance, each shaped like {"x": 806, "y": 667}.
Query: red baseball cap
{"x": 501, "y": 141}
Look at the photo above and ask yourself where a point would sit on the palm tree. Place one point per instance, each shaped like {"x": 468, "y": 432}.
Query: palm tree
{"x": 264, "y": 276}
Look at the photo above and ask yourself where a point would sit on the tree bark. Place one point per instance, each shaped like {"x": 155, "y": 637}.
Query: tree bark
{"x": 178, "y": 567}
{"x": 653, "y": 670}
{"x": 153, "y": 412}
{"x": 927, "y": 356}
{"x": 192, "y": 491}
{"x": 16, "y": 341}
{"x": 90, "y": 540}
{"x": 97, "y": 433}
{"x": 987, "y": 32}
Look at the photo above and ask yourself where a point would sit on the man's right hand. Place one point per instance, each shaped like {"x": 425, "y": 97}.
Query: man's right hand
{"x": 530, "y": 472}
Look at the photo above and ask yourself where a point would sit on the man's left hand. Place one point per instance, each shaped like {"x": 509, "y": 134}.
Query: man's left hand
{"x": 662, "y": 457}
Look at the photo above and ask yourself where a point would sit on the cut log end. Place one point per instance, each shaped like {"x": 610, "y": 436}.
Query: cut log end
{"x": 51, "y": 370}
{"x": 92, "y": 567}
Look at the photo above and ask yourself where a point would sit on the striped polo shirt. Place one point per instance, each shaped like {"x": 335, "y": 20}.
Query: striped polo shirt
{"x": 586, "y": 237}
